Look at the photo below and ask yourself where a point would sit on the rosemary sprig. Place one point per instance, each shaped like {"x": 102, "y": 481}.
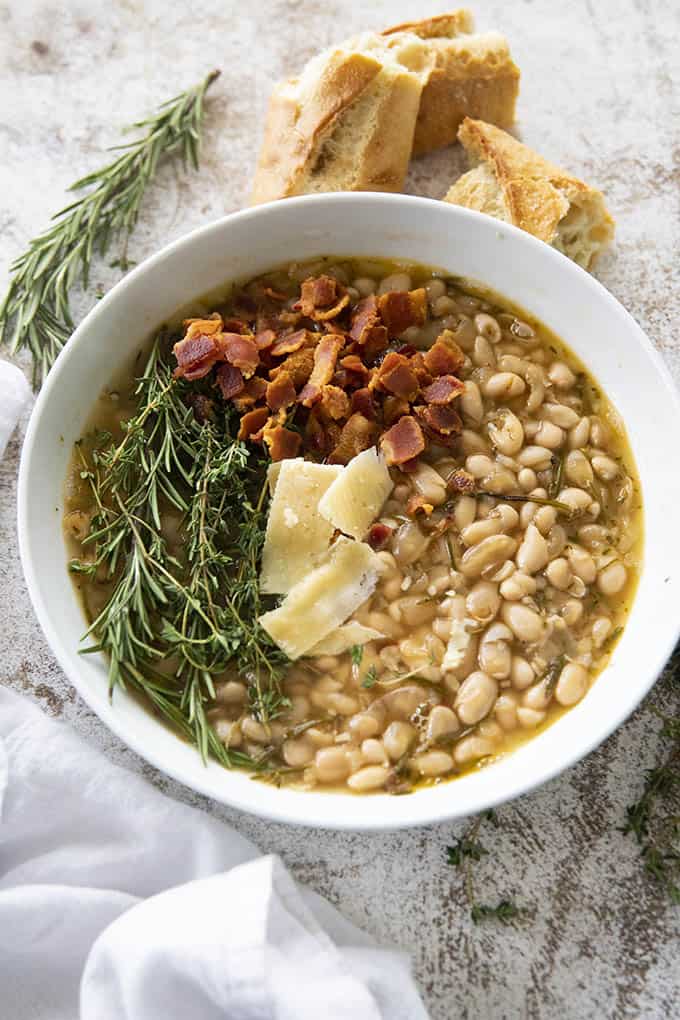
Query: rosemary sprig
{"x": 37, "y": 301}
{"x": 197, "y": 607}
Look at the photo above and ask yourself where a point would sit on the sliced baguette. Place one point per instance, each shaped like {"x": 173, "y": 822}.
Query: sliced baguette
{"x": 346, "y": 124}
{"x": 515, "y": 184}
{"x": 473, "y": 76}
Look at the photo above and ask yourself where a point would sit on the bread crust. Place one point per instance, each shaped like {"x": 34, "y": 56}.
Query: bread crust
{"x": 473, "y": 76}
{"x": 293, "y": 129}
{"x": 523, "y": 188}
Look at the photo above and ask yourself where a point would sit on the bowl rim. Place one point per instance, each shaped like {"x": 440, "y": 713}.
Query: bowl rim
{"x": 430, "y": 812}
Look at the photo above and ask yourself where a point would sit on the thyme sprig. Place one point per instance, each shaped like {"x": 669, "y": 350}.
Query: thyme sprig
{"x": 462, "y": 854}
{"x": 187, "y": 609}
{"x": 37, "y": 302}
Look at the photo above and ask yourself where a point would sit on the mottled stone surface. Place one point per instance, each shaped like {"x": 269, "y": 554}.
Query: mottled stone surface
{"x": 600, "y": 93}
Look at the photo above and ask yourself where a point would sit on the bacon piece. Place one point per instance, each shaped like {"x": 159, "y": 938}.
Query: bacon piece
{"x": 230, "y": 381}
{"x": 403, "y": 441}
{"x": 443, "y": 390}
{"x": 334, "y": 403}
{"x": 204, "y": 327}
{"x": 282, "y": 442}
{"x": 240, "y": 351}
{"x": 445, "y": 356}
{"x": 417, "y": 504}
{"x": 235, "y": 326}
{"x": 264, "y": 339}
{"x": 252, "y": 393}
{"x": 397, "y": 377}
{"x": 423, "y": 376}
{"x": 353, "y": 364}
{"x": 321, "y": 298}
{"x": 379, "y": 535}
{"x": 280, "y": 392}
{"x": 441, "y": 420}
{"x": 400, "y": 309}
{"x": 195, "y": 356}
{"x": 325, "y": 356}
{"x": 298, "y": 366}
{"x": 362, "y": 401}
{"x": 357, "y": 435}
{"x": 292, "y": 342}
{"x": 409, "y": 466}
{"x": 461, "y": 481}
{"x": 253, "y": 422}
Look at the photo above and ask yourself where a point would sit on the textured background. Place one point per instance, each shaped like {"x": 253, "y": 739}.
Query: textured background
{"x": 600, "y": 93}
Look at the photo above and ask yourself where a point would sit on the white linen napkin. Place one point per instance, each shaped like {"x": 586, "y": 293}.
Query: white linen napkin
{"x": 145, "y": 908}
{"x": 14, "y": 395}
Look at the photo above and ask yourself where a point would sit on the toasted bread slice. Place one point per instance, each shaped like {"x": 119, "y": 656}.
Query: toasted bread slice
{"x": 515, "y": 184}
{"x": 473, "y": 76}
{"x": 346, "y": 124}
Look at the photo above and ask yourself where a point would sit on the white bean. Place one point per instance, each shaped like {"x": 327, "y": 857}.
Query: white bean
{"x": 503, "y": 386}
{"x": 578, "y": 436}
{"x": 471, "y": 749}
{"x": 483, "y": 601}
{"x": 577, "y": 469}
{"x": 517, "y": 586}
{"x": 560, "y": 414}
{"x": 470, "y": 402}
{"x": 495, "y": 659}
{"x": 536, "y": 457}
{"x": 475, "y": 697}
{"x": 559, "y": 573}
{"x": 525, "y": 623}
{"x": 506, "y": 433}
{"x": 572, "y": 684}
{"x": 433, "y": 763}
{"x": 529, "y": 718}
{"x": 370, "y": 778}
{"x": 612, "y": 578}
{"x": 561, "y": 376}
{"x": 582, "y": 563}
{"x": 396, "y": 281}
{"x": 605, "y": 468}
{"x": 521, "y": 673}
{"x": 549, "y": 435}
{"x": 532, "y": 554}
{"x": 491, "y": 550}
{"x": 398, "y": 737}
{"x": 331, "y": 764}
{"x": 441, "y": 722}
{"x": 488, "y": 327}
{"x": 464, "y": 512}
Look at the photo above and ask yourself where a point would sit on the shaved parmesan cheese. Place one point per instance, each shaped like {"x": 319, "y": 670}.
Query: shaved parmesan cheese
{"x": 345, "y": 637}
{"x": 459, "y": 639}
{"x": 325, "y": 598}
{"x": 297, "y": 536}
{"x": 356, "y": 497}
{"x": 273, "y": 472}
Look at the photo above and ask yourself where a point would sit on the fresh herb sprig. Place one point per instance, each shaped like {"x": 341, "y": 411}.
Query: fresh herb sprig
{"x": 462, "y": 854}
{"x": 190, "y": 611}
{"x": 36, "y": 312}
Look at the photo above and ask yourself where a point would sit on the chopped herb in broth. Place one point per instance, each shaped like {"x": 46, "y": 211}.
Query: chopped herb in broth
{"x": 464, "y": 549}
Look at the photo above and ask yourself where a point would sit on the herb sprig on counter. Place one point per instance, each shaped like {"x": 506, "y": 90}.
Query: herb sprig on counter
{"x": 462, "y": 854}
{"x": 177, "y": 616}
{"x": 35, "y": 312}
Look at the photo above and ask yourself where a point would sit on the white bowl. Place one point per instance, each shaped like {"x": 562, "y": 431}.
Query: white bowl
{"x": 464, "y": 243}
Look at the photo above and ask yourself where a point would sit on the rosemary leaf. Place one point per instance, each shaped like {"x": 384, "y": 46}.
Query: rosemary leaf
{"x": 35, "y": 312}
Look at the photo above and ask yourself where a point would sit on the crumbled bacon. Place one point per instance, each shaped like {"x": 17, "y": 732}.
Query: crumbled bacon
{"x": 325, "y": 356}
{"x": 400, "y": 309}
{"x": 461, "y": 481}
{"x": 203, "y": 407}
{"x": 403, "y": 441}
{"x": 280, "y": 392}
{"x": 379, "y": 535}
{"x": 443, "y": 390}
{"x": 264, "y": 339}
{"x": 334, "y": 403}
{"x": 252, "y": 422}
{"x": 196, "y": 355}
{"x": 445, "y": 356}
{"x": 298, "y": 366}
{"x": 282, "y": 442}
{"x": 321, "y": 298}
{"x": 440, "y": 419}
{"x": 230, "y": 381}
{"x": 291, "y": 342}
{"x": 240, "y": 351}
{"x": 357, "y": 435}
{"x": 253, "y": 391}
{"x": 348, "y": 386}
{"x": 362, "y": 401}
{"x": 397, "y": 377}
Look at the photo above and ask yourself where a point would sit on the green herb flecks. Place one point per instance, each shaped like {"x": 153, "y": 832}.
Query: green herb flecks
{"x": 37, "y": 302}
{"x": 356, "y": 654}
{"x": 462, "y": 854}
{"x": 193, "y": 608}
{"x": 371, "y": 678}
